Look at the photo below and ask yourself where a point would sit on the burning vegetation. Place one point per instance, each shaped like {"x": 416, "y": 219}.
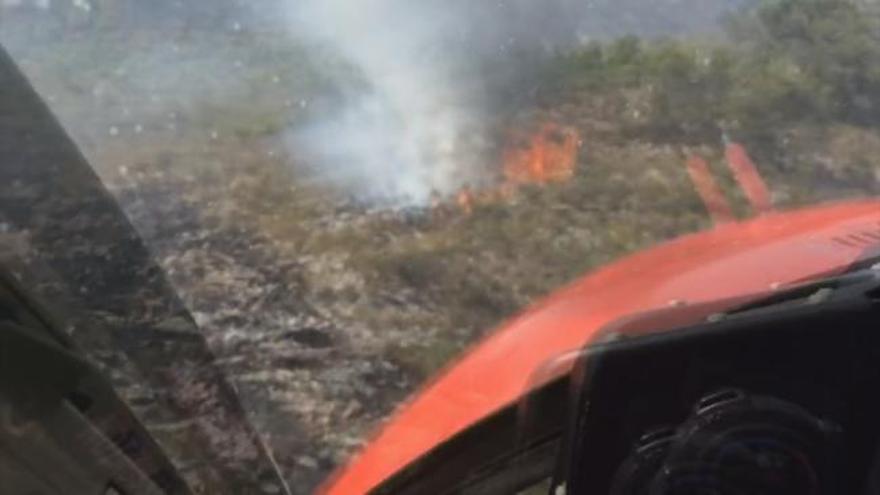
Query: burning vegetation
{"x": 547, "y": 154}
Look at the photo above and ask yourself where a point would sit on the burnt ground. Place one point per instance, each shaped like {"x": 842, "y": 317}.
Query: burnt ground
{"x": 307, "y": 384}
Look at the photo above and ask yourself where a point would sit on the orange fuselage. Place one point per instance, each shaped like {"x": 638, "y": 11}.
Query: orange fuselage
{"x": 732, "y": 260}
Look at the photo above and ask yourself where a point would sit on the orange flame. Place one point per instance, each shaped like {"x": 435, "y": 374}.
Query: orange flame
{"x": 465, "y": 200}
{"x": 548, "y": 155}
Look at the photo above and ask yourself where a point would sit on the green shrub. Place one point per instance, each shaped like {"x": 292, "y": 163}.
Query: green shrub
{"x": 790, "y": 61}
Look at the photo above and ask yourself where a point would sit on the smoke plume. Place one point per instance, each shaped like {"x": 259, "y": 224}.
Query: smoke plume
{"x": 414, "y": 111}
{"x": 415, "y": 119}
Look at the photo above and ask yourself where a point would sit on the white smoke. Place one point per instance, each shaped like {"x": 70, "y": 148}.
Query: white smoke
{"x": 432, "y": 76}
{"x": 417, "y": 113}
{"x": 414, "y": 126}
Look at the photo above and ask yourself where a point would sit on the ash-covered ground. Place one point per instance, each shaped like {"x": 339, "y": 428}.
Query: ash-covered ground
{"x": 312, "y": 381}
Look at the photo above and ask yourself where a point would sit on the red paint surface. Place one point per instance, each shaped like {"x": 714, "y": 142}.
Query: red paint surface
{"x": 732, "y": 260}
{"x": 712, "y": 196}
{"x": 746, "y": 173}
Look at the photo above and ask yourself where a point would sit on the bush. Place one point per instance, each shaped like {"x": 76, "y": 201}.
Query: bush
{"x": 792, "y": 61}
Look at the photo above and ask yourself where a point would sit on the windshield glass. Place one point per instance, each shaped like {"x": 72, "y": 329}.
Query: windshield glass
{"x": 323, "y": 202}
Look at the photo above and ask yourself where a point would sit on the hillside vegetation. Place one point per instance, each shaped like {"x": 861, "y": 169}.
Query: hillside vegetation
{"x": 786, "y": 68}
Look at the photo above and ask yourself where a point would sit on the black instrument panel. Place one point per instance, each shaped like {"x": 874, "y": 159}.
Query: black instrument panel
{"x": 777, "y": 397}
